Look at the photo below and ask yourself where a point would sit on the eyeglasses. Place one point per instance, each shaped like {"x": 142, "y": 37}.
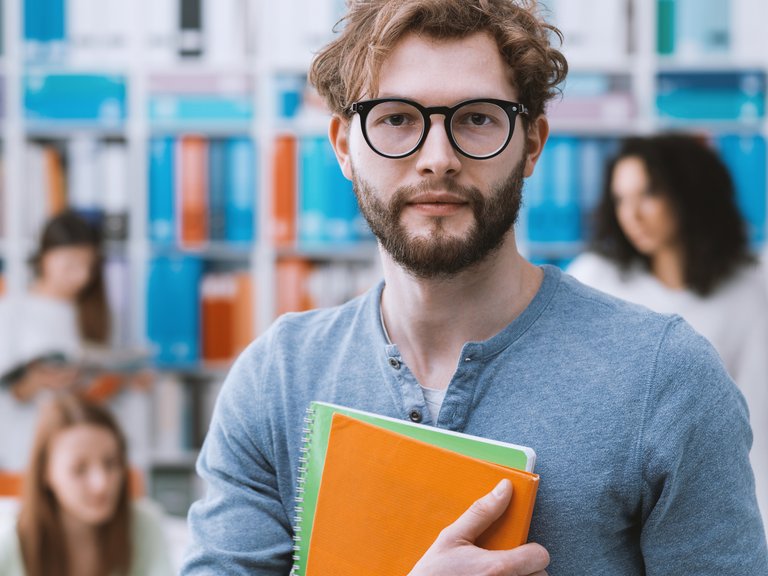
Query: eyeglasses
{"x": 478, "y": 129}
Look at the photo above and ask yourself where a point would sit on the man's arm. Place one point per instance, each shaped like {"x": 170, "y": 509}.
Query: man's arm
{"x": 240, "y": 526}
{"x": 698, "y": 510}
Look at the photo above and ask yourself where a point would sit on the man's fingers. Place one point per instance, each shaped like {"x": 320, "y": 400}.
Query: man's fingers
{"x": 528, "y": 559}
{"x": 479, "y": 517}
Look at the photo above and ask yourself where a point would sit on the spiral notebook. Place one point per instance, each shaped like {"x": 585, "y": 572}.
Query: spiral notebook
{"x": 374, "y": 491}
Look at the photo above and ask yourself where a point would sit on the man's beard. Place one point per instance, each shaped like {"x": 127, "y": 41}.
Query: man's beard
{"x": 442, "y": 254}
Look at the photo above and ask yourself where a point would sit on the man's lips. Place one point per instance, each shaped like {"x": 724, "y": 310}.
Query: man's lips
{"x": 436, "y": 198}
{"x": 437, "y": 204}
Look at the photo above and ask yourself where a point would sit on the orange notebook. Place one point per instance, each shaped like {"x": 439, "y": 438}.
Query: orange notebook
{"x": 384, "y": 497}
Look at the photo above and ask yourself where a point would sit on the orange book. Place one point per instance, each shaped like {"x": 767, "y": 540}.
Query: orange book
{"x": 293, "y": 285}
{"x": 284, "y": 192}
{"x": 192, "y": 190}
{"x": 57, "y": 190}
{"x": 244, "y": 324}
{"x": 217, "y": 293}
{"x": 2, "y": 284}
{"x": 384, "y": 497}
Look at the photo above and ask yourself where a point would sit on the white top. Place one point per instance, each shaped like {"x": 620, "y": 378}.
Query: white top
{"x": 734, "y": 319}
{"x": 151, "y": 556}
{"x": 30, "y": 326}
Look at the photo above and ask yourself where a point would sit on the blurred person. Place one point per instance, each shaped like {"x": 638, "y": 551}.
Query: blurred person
{"x": 45, "y": 332}
{"x": 76, "y": 516}
{"x": 669, "y": 235}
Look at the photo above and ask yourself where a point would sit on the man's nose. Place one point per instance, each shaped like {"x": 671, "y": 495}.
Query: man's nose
{"x": 437, "y": 155}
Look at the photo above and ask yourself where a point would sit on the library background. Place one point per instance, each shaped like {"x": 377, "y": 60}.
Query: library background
{"x": 186, "y": 128}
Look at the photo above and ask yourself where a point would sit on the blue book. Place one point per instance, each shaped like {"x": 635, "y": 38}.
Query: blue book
{"x": 745, "y": 157}
{"x": 341, "y": 212}
{"x": 240, "y": 190}
{"x": 161, "y": 206}
{"x": 33, "y": 20}
{"x": 173, "y": 309}
{"x": 313, "y": 195}
{"x": 54, "y": 21}
{"x": 563, "y": 197}
{"x": 217, "y": 198}
{"x": 290, "y": 90}
{"x": 534, "y": 193}
{"x": 76, "y": 97}
{"x": 174, "y": 108}
{"x": 735, "y": 96}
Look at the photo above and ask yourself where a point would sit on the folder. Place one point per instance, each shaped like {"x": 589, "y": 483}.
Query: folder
{"x": 375, "y": 492}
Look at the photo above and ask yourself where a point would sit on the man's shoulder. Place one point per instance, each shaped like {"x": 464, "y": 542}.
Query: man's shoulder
{"x": 584, "y": 303}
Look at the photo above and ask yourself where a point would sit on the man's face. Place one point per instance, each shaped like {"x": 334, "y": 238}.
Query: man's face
{"x": 437, "y": 212}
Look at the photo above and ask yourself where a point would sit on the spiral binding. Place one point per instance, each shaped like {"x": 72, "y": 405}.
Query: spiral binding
{"x": 298, "y": 510}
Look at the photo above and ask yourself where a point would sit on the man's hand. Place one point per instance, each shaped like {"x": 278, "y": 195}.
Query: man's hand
{"x": 454, "y": 552}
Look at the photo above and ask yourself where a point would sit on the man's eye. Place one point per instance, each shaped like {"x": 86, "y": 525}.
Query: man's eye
{"x": 396, "y": 120}
{"x": 477, "y": 119}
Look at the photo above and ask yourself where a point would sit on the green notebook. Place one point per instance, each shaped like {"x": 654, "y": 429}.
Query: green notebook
{"x": 317, "y": 429}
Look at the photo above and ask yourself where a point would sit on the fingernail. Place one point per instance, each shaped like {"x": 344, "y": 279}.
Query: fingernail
{"x": 501, "y": 487}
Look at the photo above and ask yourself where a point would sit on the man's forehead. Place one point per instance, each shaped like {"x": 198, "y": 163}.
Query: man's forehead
{"x": 453, "y": 69}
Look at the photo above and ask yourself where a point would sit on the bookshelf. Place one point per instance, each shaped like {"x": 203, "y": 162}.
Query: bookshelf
{"x": 241, "y": 82}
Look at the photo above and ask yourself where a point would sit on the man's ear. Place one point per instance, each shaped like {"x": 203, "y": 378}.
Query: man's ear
{"x": 338, "y": 134}
{"x": 535, "y": 138}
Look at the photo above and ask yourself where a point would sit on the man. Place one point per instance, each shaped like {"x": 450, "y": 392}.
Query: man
{"x": 642, "y": 439}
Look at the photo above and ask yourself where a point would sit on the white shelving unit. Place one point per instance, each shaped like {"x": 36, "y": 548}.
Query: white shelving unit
{"x": 279, "y": 51}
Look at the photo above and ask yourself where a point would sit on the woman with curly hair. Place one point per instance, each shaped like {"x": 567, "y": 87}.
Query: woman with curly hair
{"x": 669, "y": 236}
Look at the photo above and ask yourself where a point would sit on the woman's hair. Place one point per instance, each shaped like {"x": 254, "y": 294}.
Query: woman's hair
{"x": 691, "y": 176}
{"x": 69, "y": 229}
{"x": 40, "y": 529}
{"x": 349, "y": 66}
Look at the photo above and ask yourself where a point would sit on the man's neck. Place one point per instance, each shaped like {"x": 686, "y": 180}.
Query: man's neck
{"x": 430, "y": 320}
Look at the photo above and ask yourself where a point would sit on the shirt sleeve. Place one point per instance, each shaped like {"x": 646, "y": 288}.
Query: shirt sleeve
{"x": 699, "y": 513}
{"x": 241, "y": 525}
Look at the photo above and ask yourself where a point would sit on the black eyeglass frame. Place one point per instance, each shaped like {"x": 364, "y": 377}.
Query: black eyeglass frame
{"x": 513, "y": 109}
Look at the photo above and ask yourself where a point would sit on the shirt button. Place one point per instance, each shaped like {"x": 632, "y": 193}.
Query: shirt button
{"x": 415, "y": 416}
{"x": 395, "y": 363}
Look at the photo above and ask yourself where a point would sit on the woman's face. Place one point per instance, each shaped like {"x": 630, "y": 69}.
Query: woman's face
{"x": 646, "y": 216}
{"x": 85, "y": 473}
{"x": 68, "y": 269}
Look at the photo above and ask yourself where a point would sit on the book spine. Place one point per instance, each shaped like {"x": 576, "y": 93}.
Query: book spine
{"x": 284, "y": 192}
{"x": 161, "y": 190}
{"x": 216, "y": 190}
{"x": 240, "y": 190}
{"x": 191, "y": 28}
{"x": 299, "y": 546}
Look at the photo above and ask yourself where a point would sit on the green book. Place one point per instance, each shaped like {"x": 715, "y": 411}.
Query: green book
{"x": 665, "y": 27}
{"x": 317, "y": 430}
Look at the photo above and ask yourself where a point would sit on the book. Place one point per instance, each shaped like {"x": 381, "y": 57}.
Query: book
{"x": 161, "y": 204}
{"x": 284, "y": 192}
{"x": 217, "y": 200}
{"x": 192, "y": 190}
{"x": 368, "y": 478}
{"x": 240, "y": 190}
{"x": 173, "y": 309}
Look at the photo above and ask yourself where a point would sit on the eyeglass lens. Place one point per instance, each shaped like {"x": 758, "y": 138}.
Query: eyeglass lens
{"x": 478, "y": 128}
